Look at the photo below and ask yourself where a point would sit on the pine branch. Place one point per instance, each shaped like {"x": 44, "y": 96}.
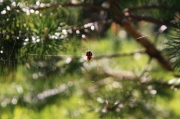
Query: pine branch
{"x": 119, "y": 55}
{"x": 127, "y": 10}
{"x": 116, "y": 75}
{"x": 129, "y": 76}
{"x": 128, "y": 13}
{"x": 97, "y": 57}
{"x": 151, "y": 50}
{"x": 85, "y": 5}
{"x": 135, "y": 8}
{"x": 152, "y": 20}
{"x": 144, "y": 41}
{"x": 161, "y": 83}
{"x": 51, "y": 92}
{"x": 38, "y": 98}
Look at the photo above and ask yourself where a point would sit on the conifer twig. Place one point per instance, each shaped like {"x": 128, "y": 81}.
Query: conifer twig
{"x": 152, "y": 20}
{"x": 144, "y": 41}
{"x": 119, "y": 54}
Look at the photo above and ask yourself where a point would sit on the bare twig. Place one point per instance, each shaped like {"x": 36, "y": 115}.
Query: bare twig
{"x": 96, "y": 57}
{"x": 119, "y": 54}
{"x": 152, "y": 20}
{"x": 128, "y": 11}
{"x": 150, "y": 7}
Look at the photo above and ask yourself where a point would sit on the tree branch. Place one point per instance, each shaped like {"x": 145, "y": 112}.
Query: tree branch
{"x": 128, "y": 13}
{"x": 151, "y": 50}
{"x": 149, "y": 7}
{"x": 159, "y": 83}
{"x": 60, "y": 57}
{"x": 152, "y": 20}
{"x": 144, "y": 41}
{"x": 119, "y": 76}
{"x": 85, "y": 5}
{"x": 119, "y": 55}
{"x": 127, "y": 10}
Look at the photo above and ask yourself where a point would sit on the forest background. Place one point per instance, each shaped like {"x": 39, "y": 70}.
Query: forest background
{"x": 45, "y": 73}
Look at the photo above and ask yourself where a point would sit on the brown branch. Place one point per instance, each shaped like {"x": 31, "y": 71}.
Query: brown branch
{"x": 128, "y": 13}
{"x": 128, "y": 10}
{"x": 144, "y": 41}
{"x": 85, "y": 5}
{"x": 116, "y": 75}
{"x": 152, "y": 20}
{"x": 151, "y": 50}
{"x": 60, "y": 57}
{"x": 149, "y": 7}
{"x": 113, "y": 75}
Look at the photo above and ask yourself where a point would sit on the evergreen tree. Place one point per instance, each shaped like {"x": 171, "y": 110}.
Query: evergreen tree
{"x": 43, "y": 74}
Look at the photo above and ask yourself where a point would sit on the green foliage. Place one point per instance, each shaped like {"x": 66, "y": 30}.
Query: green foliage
{"x": 11, "y": 30}
{"x": 173, "y": 48}
{"x": 45, "y": 74}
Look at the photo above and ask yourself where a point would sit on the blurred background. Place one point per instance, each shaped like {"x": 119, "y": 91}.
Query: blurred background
{"x": 45, "y": 74}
